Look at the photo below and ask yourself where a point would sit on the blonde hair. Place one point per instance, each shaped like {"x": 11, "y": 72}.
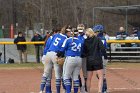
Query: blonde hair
{"x": 90, "y": 32}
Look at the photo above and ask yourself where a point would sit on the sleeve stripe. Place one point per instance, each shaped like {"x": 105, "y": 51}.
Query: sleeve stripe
{"x": 64, "y": 43}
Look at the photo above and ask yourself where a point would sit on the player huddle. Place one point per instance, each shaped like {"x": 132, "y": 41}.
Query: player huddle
{"x": 80, "y": 48}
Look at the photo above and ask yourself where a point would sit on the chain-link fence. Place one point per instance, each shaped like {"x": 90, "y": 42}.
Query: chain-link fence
{"x": 11, "y": 51}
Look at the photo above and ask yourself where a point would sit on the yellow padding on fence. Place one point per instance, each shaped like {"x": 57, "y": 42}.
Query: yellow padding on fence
{"x": 42, "y": 42}
{"x": 29, "y": 43}
{"x": 123, "y": 41}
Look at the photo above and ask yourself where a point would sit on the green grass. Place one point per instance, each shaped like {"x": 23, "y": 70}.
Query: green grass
{"x": 124, "y": 65}
{"x": 31, "y": 49}
{"x": 36, "y": 65}
{"x": 21, "y": 66}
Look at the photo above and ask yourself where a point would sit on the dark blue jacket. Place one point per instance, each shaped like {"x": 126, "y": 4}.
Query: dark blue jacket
{"x": 20, "y": 39}
{"x": 37, "y": 38}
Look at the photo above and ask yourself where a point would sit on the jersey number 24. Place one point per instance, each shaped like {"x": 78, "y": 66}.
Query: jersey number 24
{"x": 76, "y": 47}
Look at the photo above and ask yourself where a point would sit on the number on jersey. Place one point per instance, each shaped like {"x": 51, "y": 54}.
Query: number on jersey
{"x": 56, "y": 41}
{"x": 76, "y": 47}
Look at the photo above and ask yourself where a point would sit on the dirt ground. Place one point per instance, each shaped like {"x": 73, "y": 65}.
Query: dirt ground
{"x": 120, "y": 80}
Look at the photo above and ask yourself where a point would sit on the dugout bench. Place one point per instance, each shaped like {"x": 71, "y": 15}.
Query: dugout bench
{"x": 123, "y": 53}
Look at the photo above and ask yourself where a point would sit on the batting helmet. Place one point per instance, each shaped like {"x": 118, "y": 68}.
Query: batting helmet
{"x": 99, "y": 28}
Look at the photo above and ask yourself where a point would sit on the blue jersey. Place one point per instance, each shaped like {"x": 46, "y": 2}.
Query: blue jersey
{"x": 100, "y": 35}
{"x": 72, "y": 47}
{"x": 104, "y": 42}
{"x": 57, "y": 42}
{"x": 47, "y": 45}
{"x": 82, "y": 37}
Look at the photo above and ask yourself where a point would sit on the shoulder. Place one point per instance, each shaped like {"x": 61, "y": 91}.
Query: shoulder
{"x": 50, "y": 37}
{"x": 62, "y": 35}
{"x": 117, "y": 33}
{"x": 68, "y": 39}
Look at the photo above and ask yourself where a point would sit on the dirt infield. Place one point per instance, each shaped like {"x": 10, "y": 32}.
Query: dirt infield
{"x": 121, "y": 79}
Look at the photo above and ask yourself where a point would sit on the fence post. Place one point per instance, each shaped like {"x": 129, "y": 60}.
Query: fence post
{"x": 4, "y": 54}
{"x": 110, "y": 51}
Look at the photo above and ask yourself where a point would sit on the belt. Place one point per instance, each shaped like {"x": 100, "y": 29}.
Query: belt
{"x": 52, "y": 51}
{"x": 73, "y": 56}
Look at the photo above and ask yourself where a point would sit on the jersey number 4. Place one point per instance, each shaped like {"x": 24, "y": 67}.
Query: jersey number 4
{"x": 76, "y": 47}
{"x": 56, "y": 41}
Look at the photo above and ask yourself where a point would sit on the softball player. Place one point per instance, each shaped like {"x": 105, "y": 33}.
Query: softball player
{"x": 99, "y": 33}
{"x": 72, "y": 48}
{"x": 50, "y": 59}
{"x": 82, "y": 37}
{"x": 46, "y": 81}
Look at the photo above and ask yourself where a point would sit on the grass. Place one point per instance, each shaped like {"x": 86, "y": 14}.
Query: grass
{"x": 123, "y": 65}
{"x": 31, "y": 49}
{"x": 21, "y": 66}
{"x": 40, "y": 65}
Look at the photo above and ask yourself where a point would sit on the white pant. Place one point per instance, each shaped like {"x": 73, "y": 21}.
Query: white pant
{"x": 50, "y": 63}
{"x": 71, "y": 68}
{"x": 105, "y": 61}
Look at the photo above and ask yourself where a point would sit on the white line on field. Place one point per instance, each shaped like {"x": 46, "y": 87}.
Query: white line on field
{"x": 124, "y": 88}
{"x": 117, "y": 68}
{"x": 54, "y": 91}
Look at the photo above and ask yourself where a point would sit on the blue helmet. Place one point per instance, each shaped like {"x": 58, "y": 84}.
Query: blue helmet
{"x": 99, "y": 28}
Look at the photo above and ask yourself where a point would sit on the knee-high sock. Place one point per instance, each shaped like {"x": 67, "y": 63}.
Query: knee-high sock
{"x": 48, "y": 86}
{"x": 104, "y": 88}
{"x": 43, "y": 83}
{"x": 85, "y": 84}
{"x": 80, "y": 82}
{"x": 58, "y": 84}
{"x": 67, "y": 83}
{"x": 76, "y": 85}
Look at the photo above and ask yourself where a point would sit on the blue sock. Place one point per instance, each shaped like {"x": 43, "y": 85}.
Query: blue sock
{"x": 104, "y": 87}
{"x": 68, "y": 85}
{"x": 48, "y": 86}
{"x": 76, "y": 85}
{"x": 43, "y": 83}
{"x": 58, "y": 84}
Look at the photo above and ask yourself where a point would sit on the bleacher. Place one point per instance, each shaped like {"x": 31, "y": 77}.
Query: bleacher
{"x": 130, "y": 53}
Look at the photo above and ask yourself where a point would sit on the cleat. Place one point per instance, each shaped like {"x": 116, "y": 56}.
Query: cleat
{"x": 41, "y": 92}
{"x": 82, "y": 89}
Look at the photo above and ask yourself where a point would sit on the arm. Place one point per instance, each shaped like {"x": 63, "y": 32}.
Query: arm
{"x": 63, "y": 48}
{"x": 24, "y": 39}
{"x": 102, "y": 48}
{"x": 33, "y": 39}
{"x": 48, "y": 43}
{"x": 40, "y": 38}
{"x": 84, "y": 50}
{"x": 16, "y": 41}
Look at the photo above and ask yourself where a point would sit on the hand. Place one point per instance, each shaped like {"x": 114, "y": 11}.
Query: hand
{"x": 60, "y": 60}
{"x": 43, "y": 59}
{"x": 60, "y": 54}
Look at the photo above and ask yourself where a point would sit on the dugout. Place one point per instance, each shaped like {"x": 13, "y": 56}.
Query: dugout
{"x": 128, "y": 14}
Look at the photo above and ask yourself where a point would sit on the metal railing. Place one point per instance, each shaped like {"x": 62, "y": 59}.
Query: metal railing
{"x": 109, "y": 42}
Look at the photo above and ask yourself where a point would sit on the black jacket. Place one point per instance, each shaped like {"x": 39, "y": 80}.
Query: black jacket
{"x": 93, "y": 47}
{"x": 37, "y": 38}
{"x": 20, "y": 39}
